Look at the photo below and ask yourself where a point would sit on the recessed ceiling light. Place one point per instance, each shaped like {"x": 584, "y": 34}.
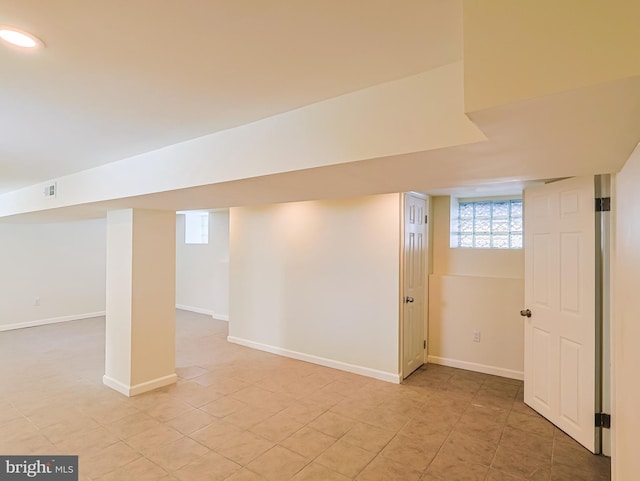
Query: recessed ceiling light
{"x": 19, "y": 38}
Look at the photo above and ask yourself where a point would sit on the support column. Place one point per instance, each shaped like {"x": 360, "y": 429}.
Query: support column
{"x": 141, "y": 299}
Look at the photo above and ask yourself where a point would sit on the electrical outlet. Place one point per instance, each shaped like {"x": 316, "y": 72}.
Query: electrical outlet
{"x": 36, "y": 301}
{"x": 476, "y": 336}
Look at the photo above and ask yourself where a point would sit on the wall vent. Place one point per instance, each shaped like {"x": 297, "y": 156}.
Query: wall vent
{"x": 50, "y": 189}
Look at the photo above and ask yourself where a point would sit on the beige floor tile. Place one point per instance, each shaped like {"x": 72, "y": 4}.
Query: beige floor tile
{"x": 109, "y": 459}
{"x": 223, "y": 406}
{"x": 195, "y": 394}
{"x": 414, "y": 452}
{"x": 522, "y": 464}
{"x": 332, "y": 424}
{"x": 560, "y": 472}
{"x": 151, "y": 438}
{"x": 245, "y": 475}
{"x": 277, "y": 428}
{"x": 368, "y": 437}
{"x": 353, "y": 408}
{"x": 243, "y": 447}
{"x": 252, "y": 395}
{"x": 304, "y": 411}
{"x": 53, "y": 394}
{"x": 29, "y": 444}
{"x": 215, "y": 434}
{"x": 176, "y": 454}
{"x": 223, "y": 385}
{"x": 17, "y": 429}
{"x": 88, "y": 443}
{"x": 530, "y": 424}
{"x": 495, "y": 475}
{"x": 386, "y": 469}
{"x": 318, "y": 472}
{"x": 278, "y": 464}
{"x": 141, "y": 470}
{"x": 495, "y": 414}
{"x": 248, "y": 416}
{"x": 210, "y": 467}
{"x": 539, "y": 446}
{"x": 426, "y": 427}
{"x": 68, "y": 428}
{"x": 168, "y": 409}
{"x": 55, "y": 413}
{"x": 483, "y": 428}
{"x": 579, "y": 458}
{"x": 308, "y": 442}
{"x": 8, "y": 413}
{"x": 468, "y": 449}
{"x": 345, "y": 458}
{"x": 189, "y": 372}
{"x": 131, "y": 425}
{"x": 110, "y": 411}
{"x": 384, "y": 418}
{"x": 560, "y": 436}
{"x": 277, "y": 402}
{"x": 191, "y": 421}
{"x": 490, "y": 399}
{"x": 448, "y": 468}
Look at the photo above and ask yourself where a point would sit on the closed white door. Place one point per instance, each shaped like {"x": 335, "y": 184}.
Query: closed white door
{"x": 414, "y": 268}
{"x": 559, "y": 371}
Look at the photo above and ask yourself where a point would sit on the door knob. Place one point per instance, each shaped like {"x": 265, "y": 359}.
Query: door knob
{"x": 408, "y": 299}
{"x": 525, "y": 313}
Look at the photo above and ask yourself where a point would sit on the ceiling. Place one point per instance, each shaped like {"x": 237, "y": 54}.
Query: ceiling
{"x": 121, "y": 78}
{"x": 118, "y": 79}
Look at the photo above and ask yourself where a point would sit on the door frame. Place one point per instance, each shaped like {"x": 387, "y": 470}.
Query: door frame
{"x": 427, "y": 261}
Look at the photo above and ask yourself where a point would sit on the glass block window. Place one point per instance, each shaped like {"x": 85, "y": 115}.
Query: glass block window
{"x": 196, "y": 228}
{"x": 490, "y": 224}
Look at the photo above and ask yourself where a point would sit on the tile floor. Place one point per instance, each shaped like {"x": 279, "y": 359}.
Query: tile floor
{"x": 238, "y": 414}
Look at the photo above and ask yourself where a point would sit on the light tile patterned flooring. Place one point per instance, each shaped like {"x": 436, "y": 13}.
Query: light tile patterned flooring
{"x": 244, "y": 415}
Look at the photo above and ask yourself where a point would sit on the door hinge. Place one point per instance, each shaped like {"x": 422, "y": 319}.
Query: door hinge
{"x": 424, "y": 344}
{"x": 426, "y": 218}
{"x": 603, "y": 420}
{"x": 603, "y": 204}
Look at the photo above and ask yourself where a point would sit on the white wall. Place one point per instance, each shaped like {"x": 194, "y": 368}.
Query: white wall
{"x": 474, "y": 290}
{"x": 319, "y": 281}
{"x": 202, "y": 270}
{"x": 626, "y": 322}
{"x": 62, "y": 264}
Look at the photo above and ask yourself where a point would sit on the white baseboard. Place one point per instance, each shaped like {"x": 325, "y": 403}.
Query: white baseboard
{"x": 474, "y": 366}
{"x": 141, "y": 387}
{"x": 343, "y": 366}
{"x": 208, "y": 312}
{"x": 53, "y": 320}
{"x": 197, "y": 310}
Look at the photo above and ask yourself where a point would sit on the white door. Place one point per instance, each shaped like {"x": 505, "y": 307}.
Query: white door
{"x": 414, "y": 274}
{"x": 559, "y": 370}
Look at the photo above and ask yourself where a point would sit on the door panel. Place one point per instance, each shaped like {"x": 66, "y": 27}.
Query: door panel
{"x": 540, "y": 368}
{"x": 414, "y": 258}
{"x": 560, "y": 290}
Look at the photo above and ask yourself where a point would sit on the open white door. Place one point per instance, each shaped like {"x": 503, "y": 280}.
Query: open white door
{"x": 559, "y": 370}
{"x": 414, "y": 275}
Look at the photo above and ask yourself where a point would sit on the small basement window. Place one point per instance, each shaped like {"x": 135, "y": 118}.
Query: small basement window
{"x": 196, "y": 227}
{"x": 487, "y": 224}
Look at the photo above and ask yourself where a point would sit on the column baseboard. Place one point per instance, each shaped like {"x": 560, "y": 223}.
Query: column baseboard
{"x": 140, "y": 387}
